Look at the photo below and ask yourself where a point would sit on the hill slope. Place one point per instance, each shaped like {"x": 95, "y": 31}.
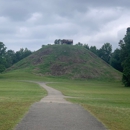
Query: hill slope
{"x": 69, "y": 61}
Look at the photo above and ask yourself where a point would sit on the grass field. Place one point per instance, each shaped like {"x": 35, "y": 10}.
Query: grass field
{"x": 17, "y": 96}
{"x": 15, "y": 99}
{"x": 108, "y": 101}
{"x": 104, "y": 97}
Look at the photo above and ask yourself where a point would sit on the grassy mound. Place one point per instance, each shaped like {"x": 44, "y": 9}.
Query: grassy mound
{"x": 67, "y": 61}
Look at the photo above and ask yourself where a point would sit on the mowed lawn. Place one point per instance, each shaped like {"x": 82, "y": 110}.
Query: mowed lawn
{"x": 15, "y": 99}
{"x": 108, "y": 101}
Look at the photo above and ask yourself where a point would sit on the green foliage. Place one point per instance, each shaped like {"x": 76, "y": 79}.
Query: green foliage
{"x": 10, "y": 58}
{"x": 2, "y": 57}
{"x": 105, "y": 52}
{"x": 2, "y": 68}
{"x": 22, "y": 53}
{"x": 125, "y": 58}
{"x": 2, "y": 49}
{"x": 126, "y": 72}
{"x": 79, "y": 44}
{"x": 56, "y": 42}
{"x": 94, "y": 50}
{"x": 86, "y": 46}
{"x": 115, "y": 60}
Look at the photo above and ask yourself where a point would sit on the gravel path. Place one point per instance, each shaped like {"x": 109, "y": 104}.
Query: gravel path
{"x": 55, "y": 113}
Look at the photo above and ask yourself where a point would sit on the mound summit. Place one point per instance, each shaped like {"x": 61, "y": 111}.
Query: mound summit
{"x": 68, "y": 61}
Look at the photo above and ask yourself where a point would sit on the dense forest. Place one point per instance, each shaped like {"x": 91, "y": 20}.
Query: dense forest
{"x": 119, "y": 58}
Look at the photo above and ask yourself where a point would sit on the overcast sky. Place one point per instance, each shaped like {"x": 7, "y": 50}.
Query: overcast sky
{"x": 33, "y": 23}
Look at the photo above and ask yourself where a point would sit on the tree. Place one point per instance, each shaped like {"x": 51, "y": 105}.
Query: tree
{"x": 19, "y": 54}
{"x": 22, "y": 53}
{"x": 93, "y": 49}
{"x": 125, "y": 57}
{"x": 56, "y": 42}
{"x": 115, "y": 60}
{"x": 86, "y": 46}
{"x": 43, "y": 46}
{"x": 122, "y": 50}
{"x": 2, "y": 68}
{"x": 2, "y": 49}
{"x": 79, "y": 44}
{"x": 26, "y": 52}
{"x": 126, "y": 72}
{"x": 10, "y": 58}
{"x": 105, "y": 52}
{"x": 2, "y": 57}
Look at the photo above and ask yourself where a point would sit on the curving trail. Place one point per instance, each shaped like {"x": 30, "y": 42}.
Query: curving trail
{"x": 55, "y": 113}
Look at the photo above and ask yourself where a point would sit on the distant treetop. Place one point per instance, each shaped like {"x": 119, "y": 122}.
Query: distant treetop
{"x": 128, "y": 29}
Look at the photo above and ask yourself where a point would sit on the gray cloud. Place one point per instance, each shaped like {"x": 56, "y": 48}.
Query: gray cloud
{"x": 34, "y": 23}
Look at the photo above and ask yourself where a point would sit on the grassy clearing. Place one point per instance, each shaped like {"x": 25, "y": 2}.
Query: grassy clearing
{"x": 108, "y": 101}
{"x": 64, "y": 62}
{"x": 16, "y": 96}
{"x": 15, "y": 99}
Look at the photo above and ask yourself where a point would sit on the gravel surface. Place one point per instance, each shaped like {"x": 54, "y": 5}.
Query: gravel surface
{"x": 55, "y": 113}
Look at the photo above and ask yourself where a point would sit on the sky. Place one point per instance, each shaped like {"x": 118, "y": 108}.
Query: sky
{"x": 33, "y": 23}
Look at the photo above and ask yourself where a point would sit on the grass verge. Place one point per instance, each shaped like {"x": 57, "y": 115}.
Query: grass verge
{"x": 108, "y": 101}
{"x": 15, "y": 99}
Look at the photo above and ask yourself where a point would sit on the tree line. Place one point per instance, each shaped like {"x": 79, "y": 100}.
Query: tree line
{"x": 106, "y": 54}
{"x": 9, "y": 57}
{"x": 119, "y": 59}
